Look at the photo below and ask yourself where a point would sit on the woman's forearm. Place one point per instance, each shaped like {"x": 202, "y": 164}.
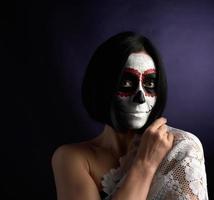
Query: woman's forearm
{"x": 136, "y": 184}
{"x": 155, "y": 143}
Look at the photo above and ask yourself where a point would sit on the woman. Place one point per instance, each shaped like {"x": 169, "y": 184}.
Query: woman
{"x": 137, "y": 155}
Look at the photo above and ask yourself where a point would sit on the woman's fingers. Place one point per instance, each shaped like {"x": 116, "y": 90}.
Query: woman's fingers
{"x": 170, "y": 137}
{"x": 155, "y": 143}
{"x": 163, "y": 128}
{"x": 158, "y": 123}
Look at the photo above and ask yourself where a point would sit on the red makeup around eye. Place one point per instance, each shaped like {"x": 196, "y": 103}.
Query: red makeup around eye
{"x": 133, "y": 72}
{"x": 136, "y": 73}
{"x": 149, "y": 71}
{"x": 138, "y": 76}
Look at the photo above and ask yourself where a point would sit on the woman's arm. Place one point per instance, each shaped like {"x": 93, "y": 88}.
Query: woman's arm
{"x": 73, "y": 180}
{"x": 155, "y": 144}
{"x": 71, "y": 173}
{"x": 181, "y": 175}
{"x": 136, "y": 184}
{"x": 185, "y": 166}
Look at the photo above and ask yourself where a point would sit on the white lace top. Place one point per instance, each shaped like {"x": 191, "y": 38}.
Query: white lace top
{"x": 180, "y": 176}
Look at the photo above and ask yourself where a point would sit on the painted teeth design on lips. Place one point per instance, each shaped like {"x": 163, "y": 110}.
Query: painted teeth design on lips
{"x": 138, "y": 112}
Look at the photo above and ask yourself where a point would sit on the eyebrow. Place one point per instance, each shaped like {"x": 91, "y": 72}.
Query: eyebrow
{"x": 132, "y": 71}
{"x": 149, "y": 71}
{"x": 153, "y": 75}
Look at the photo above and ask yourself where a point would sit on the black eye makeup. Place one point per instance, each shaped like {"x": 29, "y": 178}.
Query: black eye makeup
{"x": 129, "y": 83}
{"x": 149, "y": 82}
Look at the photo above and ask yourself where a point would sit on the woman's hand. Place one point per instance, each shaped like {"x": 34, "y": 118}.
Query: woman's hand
{"x": 153, "y": 146}
{"x": 155, "y": 143}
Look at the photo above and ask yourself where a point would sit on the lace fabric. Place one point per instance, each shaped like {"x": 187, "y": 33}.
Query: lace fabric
{"x": 180, "y": 176}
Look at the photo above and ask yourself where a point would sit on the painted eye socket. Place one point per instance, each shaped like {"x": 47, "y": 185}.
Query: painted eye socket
{"x": 126, "y": 84}
{"x": 149, "y": 83}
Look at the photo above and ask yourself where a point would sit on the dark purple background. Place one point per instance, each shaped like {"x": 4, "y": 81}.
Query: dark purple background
{"x": 53, "y": 44}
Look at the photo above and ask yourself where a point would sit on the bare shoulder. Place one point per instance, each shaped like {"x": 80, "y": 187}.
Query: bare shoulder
{"x": 72, "y": 154}
{"x": 71, "y": 172}
{"x": 68, "y": 150}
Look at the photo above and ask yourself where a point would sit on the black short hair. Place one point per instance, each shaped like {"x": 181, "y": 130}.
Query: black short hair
{"x": 104, "y": 68}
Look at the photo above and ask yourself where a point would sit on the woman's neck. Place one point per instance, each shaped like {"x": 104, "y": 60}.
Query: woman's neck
{"x": 117, "y": 142}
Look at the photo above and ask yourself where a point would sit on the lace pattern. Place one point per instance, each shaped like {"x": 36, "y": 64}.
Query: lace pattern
{"x": 180, "y": 176}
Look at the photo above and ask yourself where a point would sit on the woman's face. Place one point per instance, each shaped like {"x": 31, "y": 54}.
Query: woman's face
{"x": 135, "y": 96}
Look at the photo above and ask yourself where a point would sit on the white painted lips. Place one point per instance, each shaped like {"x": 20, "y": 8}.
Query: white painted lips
{"x": 137, "y": 113}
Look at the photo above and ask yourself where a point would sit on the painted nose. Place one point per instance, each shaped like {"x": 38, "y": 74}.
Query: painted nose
{"x": 139, "y": 98}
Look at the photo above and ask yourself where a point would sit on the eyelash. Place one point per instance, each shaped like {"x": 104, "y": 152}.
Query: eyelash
{"x": 144, "y": 84}
{"x": 127, "y": 81}
{"x": 150, "y": 82}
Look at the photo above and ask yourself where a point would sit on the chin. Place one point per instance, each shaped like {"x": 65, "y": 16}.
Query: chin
{"x": 136, "y": 124}
{"x": 128, "y": 121}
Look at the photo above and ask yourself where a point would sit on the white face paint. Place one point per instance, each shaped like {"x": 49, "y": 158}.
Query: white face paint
{"x": 136, "y": 95}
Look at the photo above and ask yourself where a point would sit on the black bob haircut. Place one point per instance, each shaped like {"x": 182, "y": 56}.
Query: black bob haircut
{"x": 104, "y": 69}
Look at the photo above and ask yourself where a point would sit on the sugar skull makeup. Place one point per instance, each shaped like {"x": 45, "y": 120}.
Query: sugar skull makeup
{"x": 136, "y": 93}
